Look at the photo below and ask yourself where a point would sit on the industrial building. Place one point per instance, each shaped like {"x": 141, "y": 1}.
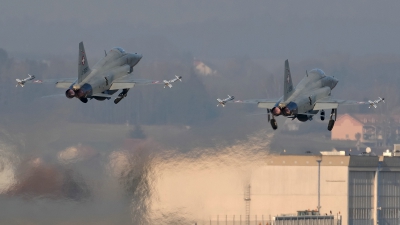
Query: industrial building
{"x": 357, "y": 190}
{"x": 365, "y": 190}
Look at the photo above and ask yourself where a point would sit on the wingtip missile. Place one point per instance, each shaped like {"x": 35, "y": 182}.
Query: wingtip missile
{"x": 220, "y": 102}
{"x": 21, "y": 82}
{"x": 169, "y": 82}
{"x": 224, "y": 101}
{"x": 179, "y": 78}
{"x": 375, "y": 102}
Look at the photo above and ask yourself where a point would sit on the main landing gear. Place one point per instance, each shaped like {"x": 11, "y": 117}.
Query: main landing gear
{"x": 121, "y": 95}
{"x": 332, "y": 119}
{"x": 84, "y": 100}
{"x": 273, "y": 122}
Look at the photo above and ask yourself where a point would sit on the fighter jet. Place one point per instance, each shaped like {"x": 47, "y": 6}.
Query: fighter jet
{"x": 21, "y": 82}
{"x": 310, "y": 96}
{"x": 106, "y": 77}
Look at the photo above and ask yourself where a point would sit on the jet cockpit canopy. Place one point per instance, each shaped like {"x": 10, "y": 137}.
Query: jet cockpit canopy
{"x": 121, "y": 50}
{"x": 319, "y": 72}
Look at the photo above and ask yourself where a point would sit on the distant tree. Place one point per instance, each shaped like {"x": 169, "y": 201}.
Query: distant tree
{"x": 3, "y": 59}
{"x": 137, "y": 132}
{"x": 358, "y": 136}
{"x": 3, "y": 56}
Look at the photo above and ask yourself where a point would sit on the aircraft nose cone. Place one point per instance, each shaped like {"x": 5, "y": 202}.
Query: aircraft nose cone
{"x": 134, "y": 58}
{"x": 334, "y": 82}
{"x": 139, "y": 56}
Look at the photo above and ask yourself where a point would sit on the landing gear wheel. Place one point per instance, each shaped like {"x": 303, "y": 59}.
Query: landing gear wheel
{"x": 274, "y": 124}
{"x": 84, "y": 100}
{"x": 331, "y": 124}
{"x": 121, "y": 95}
{"x": 117, "y": 100}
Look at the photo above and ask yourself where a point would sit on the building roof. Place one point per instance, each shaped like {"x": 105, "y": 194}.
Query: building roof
{"x": 352, "y": 162}
{"x": 365, "y": 119}
{"x": 391, "y": 162}
{"x": 345, "y": 116}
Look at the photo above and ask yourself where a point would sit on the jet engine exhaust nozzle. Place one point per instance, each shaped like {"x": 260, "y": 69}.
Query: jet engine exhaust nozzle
{"x": 78, "y": 93}
{"x": 286, "y": 111}
{"x": 70, "y": 93}
{"x": 74, "y": 93}
{"x": 290, "y": 109}
{"x": 276, "y": 111}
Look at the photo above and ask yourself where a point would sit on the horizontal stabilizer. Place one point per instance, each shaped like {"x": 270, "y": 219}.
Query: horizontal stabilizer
{"x": 63, "y": 84}
{"x": 325, "y": 105}
{"x": 334, "y": 103}
{"x": 102, "y": 95}
{"x": 117, "y": 85}
{"x": 266, "y": 105}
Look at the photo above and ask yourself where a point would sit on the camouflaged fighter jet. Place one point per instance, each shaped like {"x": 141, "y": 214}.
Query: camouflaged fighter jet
{"x": 310, "y": 96}
{"x": 110, "y": 74}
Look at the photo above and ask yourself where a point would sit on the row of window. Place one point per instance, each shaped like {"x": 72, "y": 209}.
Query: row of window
{"x": 389, "y": 213}
{"x": 360, "y": 213}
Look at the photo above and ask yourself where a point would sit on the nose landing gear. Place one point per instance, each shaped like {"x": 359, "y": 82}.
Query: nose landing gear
{"x": 322, "y": 115}
{"x": 121, "y": 95}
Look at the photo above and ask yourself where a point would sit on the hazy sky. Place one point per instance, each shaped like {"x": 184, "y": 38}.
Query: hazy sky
{"x": 206, "y": 28}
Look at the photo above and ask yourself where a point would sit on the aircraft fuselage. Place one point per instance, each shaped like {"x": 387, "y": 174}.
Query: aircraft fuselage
{"x": 116, "y": 64}
{"x": 316, "y": 85}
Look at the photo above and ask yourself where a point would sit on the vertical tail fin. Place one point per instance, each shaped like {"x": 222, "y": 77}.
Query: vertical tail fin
{"x": 288, "y": 85}
{"x": 83, "y": 65}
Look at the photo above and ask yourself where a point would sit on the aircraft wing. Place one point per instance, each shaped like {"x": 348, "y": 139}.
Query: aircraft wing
{"x": 60, "y": 83}
{"x": 334, "y": 103}
{"x": 130, "y": 82}
{"x": 261, "y": 103}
